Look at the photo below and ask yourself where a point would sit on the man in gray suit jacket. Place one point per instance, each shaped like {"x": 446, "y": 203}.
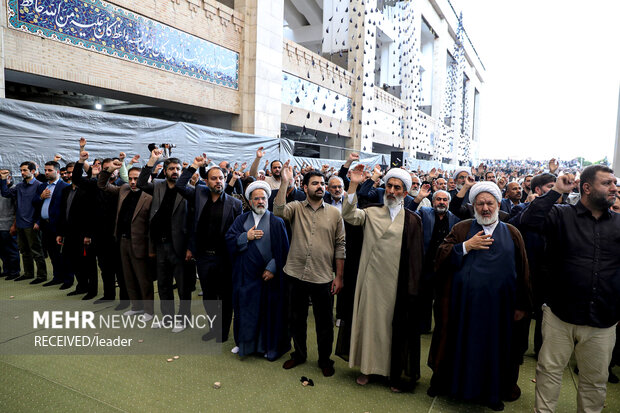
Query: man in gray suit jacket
{"x": 132, "y": 227}
{"x": 214, "y": 214}
{"x": 168, "y": 232}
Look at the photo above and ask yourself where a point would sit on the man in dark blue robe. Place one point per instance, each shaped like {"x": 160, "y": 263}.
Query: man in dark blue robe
{"x": 483, "y": 293}
{"x": 258, "y": 244}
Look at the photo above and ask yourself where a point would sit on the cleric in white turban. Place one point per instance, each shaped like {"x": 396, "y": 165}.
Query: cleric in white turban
{"x": 485, "y": 186}
{"x": 401, "y": 174}
{"x": 256, "y": 185}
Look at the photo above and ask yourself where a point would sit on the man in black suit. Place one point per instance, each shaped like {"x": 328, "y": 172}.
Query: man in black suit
{"x": 74, "y": 234}
{"x": 104, "y": 208}
{"x": 215, "y": 212}
{"x": 168, "y": 232}
{"x": 47, "y": 213}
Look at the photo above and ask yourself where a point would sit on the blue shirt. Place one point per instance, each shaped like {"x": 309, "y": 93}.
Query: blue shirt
{"x": 46, "y": 202}
{"x": 24, "y": 193}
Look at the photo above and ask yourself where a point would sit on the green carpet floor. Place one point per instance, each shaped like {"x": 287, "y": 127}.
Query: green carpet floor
{"x": 149, "y": 383}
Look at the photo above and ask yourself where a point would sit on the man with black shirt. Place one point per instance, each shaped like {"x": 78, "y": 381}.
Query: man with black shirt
{"x": 437, "y": 222}
{"x": 104, "y": 210}
{"x": 168, "y": 232}
{"x": 132, "y": 219}
{"x": 583, "y": 305}
{"x": 215, "y": 213}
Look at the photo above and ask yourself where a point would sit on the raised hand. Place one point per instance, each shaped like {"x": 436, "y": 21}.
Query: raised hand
{"x": 354, "y": 157}
{"x": 116, "y": 164}
{"x": 4, "y": 174}
{"x": 564, "y": 184}
{"x": 357, "y": 174}
{"x": 199, "y": 161}
{"x": 479, "y": 242}
{"x": 433, "y": 173}
{"x": 260, "y": 152}
{"x": 83, "y": 156}
{"x": 425, "y": 191}
{"x": 185, "y": 164}
{"x": 243, "y": 166}
{"x": 82, "y": 144}
{"x": 122, "y": 156}
{"x": 553, "y": 165}
{"x": 469, "y": 181}
{"x": 287, "y": 172}
{"x": 57, "y": 158}
{"x": 135, "y": 159}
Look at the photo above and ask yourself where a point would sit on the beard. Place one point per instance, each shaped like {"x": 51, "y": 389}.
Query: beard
{"x": 486, "y": 220}
{"x": 601, "y": 201}
{"x": 414, "y": 192}
{"x": 392, "y": 202}
{"x": 459, "y": 186}
{"x": 217, "y": 190}
{"x": 441, "y": 210}
{"x": 259, "y": 210}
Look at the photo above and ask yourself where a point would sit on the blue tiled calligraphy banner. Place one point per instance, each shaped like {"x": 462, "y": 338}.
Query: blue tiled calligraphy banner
{"x": 99, "y": 26}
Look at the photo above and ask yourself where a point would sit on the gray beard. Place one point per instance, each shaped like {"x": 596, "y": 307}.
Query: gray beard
{"x": 392, "y": 203}
{"x": 441, "y": 210}
{"x": 459, "y": 187}
{"x": 414, "y": 193}
{"x": 259, "y": 210}
{"x": 487, "y": 221}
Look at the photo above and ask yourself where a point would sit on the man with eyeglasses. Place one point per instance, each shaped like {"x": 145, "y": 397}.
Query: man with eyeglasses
{"x": 483, "y": 291}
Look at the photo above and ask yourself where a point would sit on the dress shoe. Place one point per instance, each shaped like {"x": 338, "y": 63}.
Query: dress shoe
{"x": 146, "y": 317}
{"x": 65, "y": 286}
{"x": 513, "y": 394}
{"x": 178, "y": 327}
{"x": 133, "y": 312}
{"x": 496, "y": 407}
{"x": 289, "y": 364}
{"x": 328, "y": 371}
{"x": 612, "y": 378}
{"x": 23, "y": 277}
{"x": 122, "y": 305}
{"x": 89, "y": 296}
{"x": 52, "y": 282}
{"x": 208, "y": 336}
{"x": 12, "y": 277}
{"x": 104, "y": 299}
{"x": 37, "y": 281}
{"x": 76, "y": 292}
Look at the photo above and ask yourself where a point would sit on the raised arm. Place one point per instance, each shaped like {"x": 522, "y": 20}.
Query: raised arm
{"x": 350, "y": 212}
{"x": 280, "y": 208}
{"x": 103, "y": 182}
{"x": 182, "y": 185}
{"x": 254, "y": 168}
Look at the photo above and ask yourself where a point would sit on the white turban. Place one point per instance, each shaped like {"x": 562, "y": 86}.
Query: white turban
{"x": 460, "y": 171}
{"x": 485, "y": 186}
{"x": 258, "y": 185}
{"x": 400, "y": 174}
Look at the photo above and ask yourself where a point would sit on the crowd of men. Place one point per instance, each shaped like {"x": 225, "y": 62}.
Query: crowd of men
{"x": 483, "y": 250}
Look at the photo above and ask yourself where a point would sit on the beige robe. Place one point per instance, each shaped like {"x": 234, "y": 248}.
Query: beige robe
{"x": 377, "y": 280}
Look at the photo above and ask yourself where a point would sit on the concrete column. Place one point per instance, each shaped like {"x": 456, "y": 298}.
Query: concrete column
{"x": 362, "y": 64}
{"x": 260, "y": 71}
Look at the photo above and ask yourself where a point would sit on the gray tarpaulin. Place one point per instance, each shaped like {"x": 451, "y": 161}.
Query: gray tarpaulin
{"x": 34, "y": 131}
{"x": 37, "y": 132}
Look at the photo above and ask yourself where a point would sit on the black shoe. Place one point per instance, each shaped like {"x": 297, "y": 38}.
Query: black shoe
{"x": 89, "y": 296}
{"x": 612, "y": 378}
{"x": 52, "y": 282}
{"x": 496, "y": 407}
{"x": 328, "y": 371}
{"x": 122, "y": 305}
{"x": 104, "y": 299}
{"x": 65, "y": 286}
{"x": 12, "y": 277}
{"x": 37, "y": 281}
{"x": 76, "y": 292}
{"x": 23, "y": 277}
{"x": 289, "y": 364}
{"x": 208, "y": 336}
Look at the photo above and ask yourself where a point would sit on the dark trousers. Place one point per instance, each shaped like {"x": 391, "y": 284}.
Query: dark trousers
{"x": 79, "y": 260}
{"x": 137, "y": 280}
{"x": 172, "y": 267}
{"x": 216, "y": 282}
{"x": 48, "y": 238}
{"x": 426, "y": 297}
{"x": 9, "y": 254}
{"x": 322, "y": 307}
{"x": 109, "y": 260}
{"x": 29, "y": 242}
